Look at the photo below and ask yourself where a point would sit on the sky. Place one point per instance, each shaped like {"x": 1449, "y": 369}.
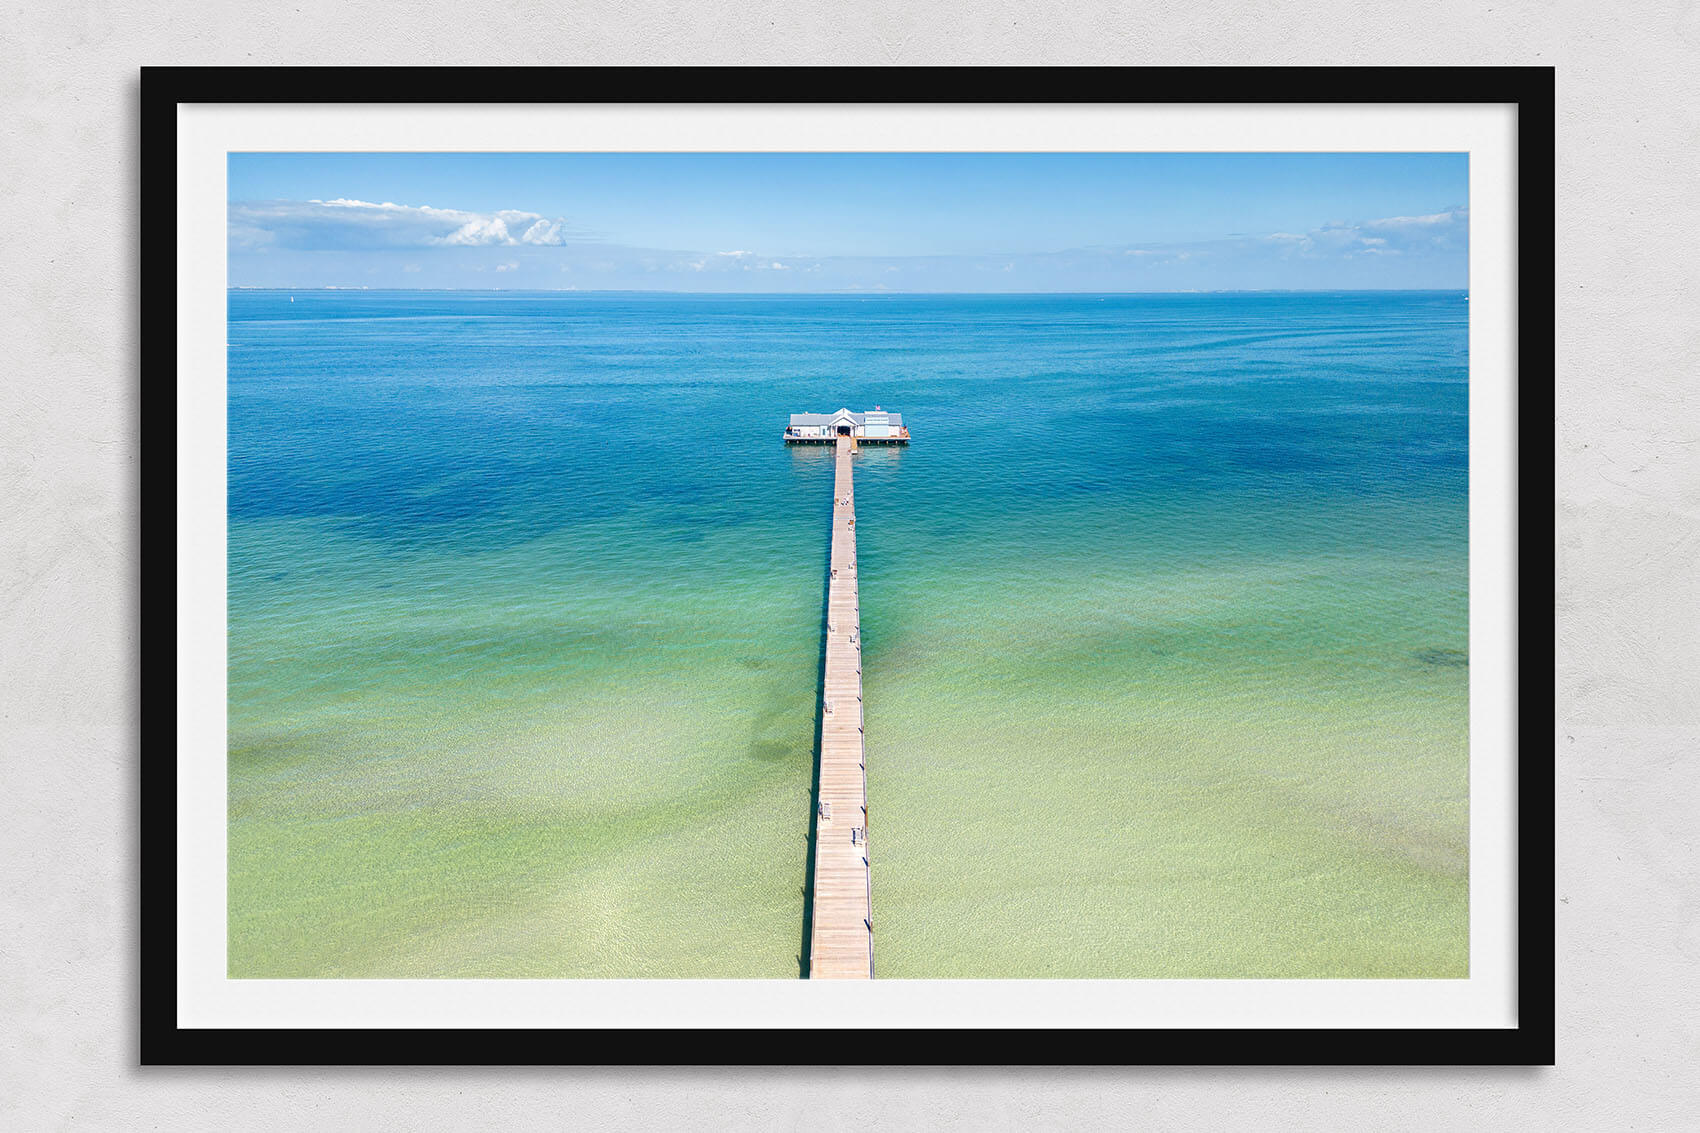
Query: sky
{"x": 1095, "y": 222}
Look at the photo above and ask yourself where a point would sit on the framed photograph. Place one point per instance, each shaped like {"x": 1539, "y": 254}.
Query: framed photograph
{"x": 776, "y": 566}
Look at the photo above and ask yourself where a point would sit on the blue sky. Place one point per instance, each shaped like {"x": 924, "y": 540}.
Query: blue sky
{"x": 850, "y": 222}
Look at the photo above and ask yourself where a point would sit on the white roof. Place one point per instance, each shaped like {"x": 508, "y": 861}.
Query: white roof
{"x": 842, "y": 414}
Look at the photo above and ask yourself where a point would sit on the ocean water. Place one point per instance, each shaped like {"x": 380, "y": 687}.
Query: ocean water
{"x": 1164, "y": 622}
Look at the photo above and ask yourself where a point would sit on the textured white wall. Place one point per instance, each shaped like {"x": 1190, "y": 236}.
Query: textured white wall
{"x": 1628, "y": 508}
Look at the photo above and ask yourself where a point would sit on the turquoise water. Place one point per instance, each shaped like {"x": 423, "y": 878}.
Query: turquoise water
{"x": 1165, "y": 627}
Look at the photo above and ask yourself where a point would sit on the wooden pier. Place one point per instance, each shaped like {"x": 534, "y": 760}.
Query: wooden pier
{"x": 841, "y": 944}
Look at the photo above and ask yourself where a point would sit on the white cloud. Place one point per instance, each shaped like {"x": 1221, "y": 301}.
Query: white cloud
{"x": 545, "y": 232}
{"x": 511, "y": 265}
{"x": 1171, "y": 254}
{"x": 343, "y": 223}
{"x": 1450, "y": 216}
{"x": 1447, "y": 231}
{"x": 478, "y": 230}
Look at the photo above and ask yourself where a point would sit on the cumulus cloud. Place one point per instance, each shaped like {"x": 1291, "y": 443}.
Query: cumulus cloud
{"x": 342, "y": 223}
{"x": 545, "y": 232}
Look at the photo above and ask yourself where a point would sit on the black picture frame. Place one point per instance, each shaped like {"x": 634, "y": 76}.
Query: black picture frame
{"x": 1529, "y": 89}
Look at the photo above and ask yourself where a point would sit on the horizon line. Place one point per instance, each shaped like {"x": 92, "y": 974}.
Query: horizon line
{"x": 857, "y": 291}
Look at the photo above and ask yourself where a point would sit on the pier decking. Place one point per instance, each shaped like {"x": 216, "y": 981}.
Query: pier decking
{"x": 841, "y": 944}
{"x": 901, "y": 438}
